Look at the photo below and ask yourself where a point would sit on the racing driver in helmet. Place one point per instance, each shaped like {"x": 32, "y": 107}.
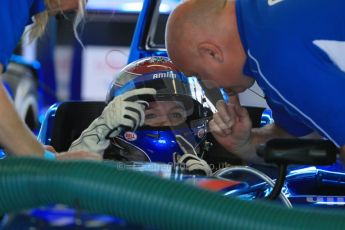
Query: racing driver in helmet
{"x": 153, "y": 113}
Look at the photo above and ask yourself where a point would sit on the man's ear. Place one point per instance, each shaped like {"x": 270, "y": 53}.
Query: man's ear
{"x": 210, "y": 51}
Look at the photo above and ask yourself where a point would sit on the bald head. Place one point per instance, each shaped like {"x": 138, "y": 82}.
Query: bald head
{"x": 192, "y": 22}
{"x": 198, "y": 12}
{"x": 202, "y": 39}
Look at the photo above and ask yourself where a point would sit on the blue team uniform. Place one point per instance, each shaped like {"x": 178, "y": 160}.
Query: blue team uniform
{"x": 14, "y": 16}
{"x": 296, "y": 53}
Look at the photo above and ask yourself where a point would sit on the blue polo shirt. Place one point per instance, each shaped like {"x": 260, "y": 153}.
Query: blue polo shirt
{"x": 14, "y": 16}
{"x": 296, "y": 53}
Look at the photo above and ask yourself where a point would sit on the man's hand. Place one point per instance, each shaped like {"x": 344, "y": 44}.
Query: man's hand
{"x": 231, "y": 126}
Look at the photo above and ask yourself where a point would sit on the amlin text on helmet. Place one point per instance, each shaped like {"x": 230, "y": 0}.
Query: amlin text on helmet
{"x": 169, "y": 74}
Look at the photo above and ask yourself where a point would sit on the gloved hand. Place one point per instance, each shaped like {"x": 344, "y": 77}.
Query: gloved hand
{"x": 190, "y": 160}
{"x": 123, "y": 111}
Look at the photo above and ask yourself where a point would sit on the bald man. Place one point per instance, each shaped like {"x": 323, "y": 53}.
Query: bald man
{"x": 293, "y": 49}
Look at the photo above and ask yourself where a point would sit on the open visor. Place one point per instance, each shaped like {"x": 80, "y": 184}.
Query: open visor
{"x": 171, "y": 86}
{"x": 167, "y": 84}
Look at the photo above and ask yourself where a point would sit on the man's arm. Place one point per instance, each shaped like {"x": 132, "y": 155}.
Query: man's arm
{"x": 15, "y": 137}
{"x": 259, "y": 136}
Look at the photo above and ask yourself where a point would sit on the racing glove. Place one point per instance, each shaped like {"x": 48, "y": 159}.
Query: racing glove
{"x": 190, "y": 160}
{"x": 123, "y": 111}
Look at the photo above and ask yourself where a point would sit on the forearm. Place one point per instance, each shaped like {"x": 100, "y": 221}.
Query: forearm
{"x": 259, "y": 136}
{"x": 89, "y": 144}
{"x": 93, "y": 139}
{"x": 15, "y": 137}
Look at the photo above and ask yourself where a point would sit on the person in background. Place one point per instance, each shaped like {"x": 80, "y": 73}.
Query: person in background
{"x": 15, "y": 137}
{"x": 294, "y": 50}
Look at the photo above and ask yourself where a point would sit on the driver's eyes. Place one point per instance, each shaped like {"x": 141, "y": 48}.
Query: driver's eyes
{"x": 172, "y": 118}
{"x": 175, "y": 115}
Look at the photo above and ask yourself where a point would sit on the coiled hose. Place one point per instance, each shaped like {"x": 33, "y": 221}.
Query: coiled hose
{"x": 143, "y": 199}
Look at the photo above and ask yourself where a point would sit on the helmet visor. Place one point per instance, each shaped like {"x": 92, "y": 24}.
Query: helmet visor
{"x": 177, "y": 99}
{"x": 166, "y": 83}
{"x": 165, "y": 113}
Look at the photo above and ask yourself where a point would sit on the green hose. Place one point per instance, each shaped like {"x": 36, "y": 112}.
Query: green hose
{"x": 143, "y": 199}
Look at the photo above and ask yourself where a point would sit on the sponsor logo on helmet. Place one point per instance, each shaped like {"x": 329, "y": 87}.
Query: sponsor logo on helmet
{"x": 130, "y": 136}
{"x": 169, "y": 74}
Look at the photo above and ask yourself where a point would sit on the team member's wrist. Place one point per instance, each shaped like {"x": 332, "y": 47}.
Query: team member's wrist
{"x": 244, "y": 148}
{"x": 49, "y": 155}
